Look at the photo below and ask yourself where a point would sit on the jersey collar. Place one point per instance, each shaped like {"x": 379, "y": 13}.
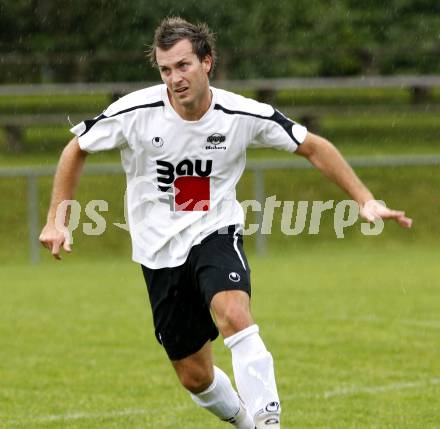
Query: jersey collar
{"x": 175, "y": 115}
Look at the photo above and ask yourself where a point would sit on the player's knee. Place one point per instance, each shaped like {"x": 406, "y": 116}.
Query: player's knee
{"x": 233, "y": 319}
{"x": 195, "y": 382}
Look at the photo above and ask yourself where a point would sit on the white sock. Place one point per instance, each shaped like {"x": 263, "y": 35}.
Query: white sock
{"x": 254, "y": 376}
{"x": 222, "y": 400}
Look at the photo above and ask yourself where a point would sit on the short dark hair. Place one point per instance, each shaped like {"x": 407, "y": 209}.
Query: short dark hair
{"x": 174, "y": 29}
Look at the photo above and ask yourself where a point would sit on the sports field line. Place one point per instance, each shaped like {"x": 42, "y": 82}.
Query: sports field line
{"x": 422, "y": 323}
{"x": 370, "y": 390}
{"x": 373, "y": 318}
{"x": 77, "y": 416}
{"x": 338, "y": 392}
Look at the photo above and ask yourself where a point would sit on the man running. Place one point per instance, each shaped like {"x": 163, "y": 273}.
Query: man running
{"x": 183, "y": 147}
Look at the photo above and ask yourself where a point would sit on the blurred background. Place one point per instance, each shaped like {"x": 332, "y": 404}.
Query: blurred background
{"x": 363, "y": 74}
{"x": 353, "y": 323}
{"x": 81, "y": 41}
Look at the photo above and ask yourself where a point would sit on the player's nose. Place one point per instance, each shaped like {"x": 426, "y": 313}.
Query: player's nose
{"x": 176, "y": 78}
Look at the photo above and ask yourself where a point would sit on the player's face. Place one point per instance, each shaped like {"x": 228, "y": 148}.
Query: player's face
{"x": 185, "y": 75}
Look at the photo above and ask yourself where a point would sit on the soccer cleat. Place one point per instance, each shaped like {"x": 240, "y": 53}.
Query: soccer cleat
{"x": 242, "y": 420}
{"x": 268, "y": 417}
{"x": 268, "y": 422}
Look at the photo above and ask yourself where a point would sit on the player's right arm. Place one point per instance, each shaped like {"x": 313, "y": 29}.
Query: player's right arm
{"x": 67, "y": 176}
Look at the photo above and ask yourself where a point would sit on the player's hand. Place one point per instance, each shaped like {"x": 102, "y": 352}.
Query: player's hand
{"x": 54, "y": 240}
{"x": 374, "y": 209}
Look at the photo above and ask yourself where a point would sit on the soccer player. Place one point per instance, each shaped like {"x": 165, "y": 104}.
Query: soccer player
{"x": 183, "y": 148}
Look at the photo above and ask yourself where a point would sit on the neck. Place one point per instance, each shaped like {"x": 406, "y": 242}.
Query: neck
{"x": 195, "y": 110}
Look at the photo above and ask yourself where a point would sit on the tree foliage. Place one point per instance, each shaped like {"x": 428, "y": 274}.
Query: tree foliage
{"x": 104, "y": 40}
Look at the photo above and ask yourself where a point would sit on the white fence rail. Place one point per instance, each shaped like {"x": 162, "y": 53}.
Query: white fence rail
{"x": 405, "y": 81}
{"x": 14, "y": 124}
{"x": 257, "y": 168}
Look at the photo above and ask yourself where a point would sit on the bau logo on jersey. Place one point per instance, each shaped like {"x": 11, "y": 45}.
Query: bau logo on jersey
{"x": 215, "y": 141}
{"x": 190, "y": 181}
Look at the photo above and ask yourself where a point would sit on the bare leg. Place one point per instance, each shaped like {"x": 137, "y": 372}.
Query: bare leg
{"x": 252, "y": 363}
{"x": 231, "y": 311}
{"x": 196, "y": 372}
{"x": 211, "y": 388}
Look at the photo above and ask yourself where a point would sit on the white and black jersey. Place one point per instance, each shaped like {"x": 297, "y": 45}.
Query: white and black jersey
{"x": 182, "y": 175}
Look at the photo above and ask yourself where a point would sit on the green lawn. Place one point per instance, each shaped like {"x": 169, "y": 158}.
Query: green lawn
{"x": 353, "y": 324}
{"x": 354, "y": 331}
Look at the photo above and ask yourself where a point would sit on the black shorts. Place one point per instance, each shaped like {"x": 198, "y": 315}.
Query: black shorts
{"x": 180, "y": 297}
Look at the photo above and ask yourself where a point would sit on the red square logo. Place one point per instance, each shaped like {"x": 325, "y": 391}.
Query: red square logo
{"x": 191, "y": 193}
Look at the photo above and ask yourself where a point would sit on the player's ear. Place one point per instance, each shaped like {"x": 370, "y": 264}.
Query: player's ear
{"x": 207, "y": 63}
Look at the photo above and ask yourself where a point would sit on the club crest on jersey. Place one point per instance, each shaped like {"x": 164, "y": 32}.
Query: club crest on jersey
{"x": 214, "y": 142}
{"x": 189, "y": 182}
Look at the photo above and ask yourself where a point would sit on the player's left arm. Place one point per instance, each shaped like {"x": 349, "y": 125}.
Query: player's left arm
{"x": 324, "y": 156}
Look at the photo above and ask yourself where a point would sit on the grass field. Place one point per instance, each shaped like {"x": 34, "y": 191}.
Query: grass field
{"x": 353, "y": 324}
{"x": 354, "y": 332}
